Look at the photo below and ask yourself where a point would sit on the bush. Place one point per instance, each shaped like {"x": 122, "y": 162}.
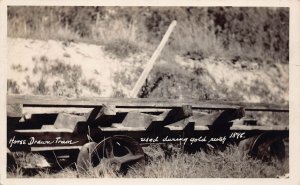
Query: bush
{"x": 13, "y": 87}
{"x": 121, "y": 48}
{"x": 66, "y": 78}
{"x": 247, "y": 32}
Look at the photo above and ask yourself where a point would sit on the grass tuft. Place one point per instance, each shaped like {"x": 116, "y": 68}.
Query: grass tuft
{"x": 121, "y": 48}
{"x": 230, "y": 163}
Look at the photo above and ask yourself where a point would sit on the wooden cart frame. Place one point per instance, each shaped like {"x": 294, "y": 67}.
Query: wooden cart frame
{"x": 89, "y": 129}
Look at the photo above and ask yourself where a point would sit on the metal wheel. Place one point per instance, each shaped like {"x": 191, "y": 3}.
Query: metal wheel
{"x": 84, "y": 157}
{"x": 121, "y": 152}
{"x": 264, "y": 146}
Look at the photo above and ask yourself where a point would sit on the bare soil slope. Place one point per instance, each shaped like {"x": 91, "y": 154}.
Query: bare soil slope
{"x": 79, "y": 69}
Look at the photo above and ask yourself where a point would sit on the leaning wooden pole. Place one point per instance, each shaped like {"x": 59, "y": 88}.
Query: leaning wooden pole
{"x": 150, "y": 63}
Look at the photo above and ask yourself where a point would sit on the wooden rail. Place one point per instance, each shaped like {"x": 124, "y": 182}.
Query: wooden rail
{"x": 49, "y": 101}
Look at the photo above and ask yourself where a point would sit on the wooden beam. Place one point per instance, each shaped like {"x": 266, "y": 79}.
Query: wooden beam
{"x": 260, "y": 127}
{"x": 177, "y": 114}
{"x": 184, "y": 124}
{"x": 138, "y": 119}
{"x": 121, "y": 128}
{"x": 219, "y": 118}
{"x": 55, "y": 110}
{"x": 201, "y": 128}
{"x": 101, "y": 115}
{"x": 150, "y": 63}
{"x": 143, "y": 110}
{"x": 245, "y": 121}
{"x": 83, "y": 110}
{"x": 50, "y": 101}
{"x": 256, "y": 106}
{"x": 48, "y": 127}
{"x": 172, "y": 116}
{"x": 45, "y": 130}
{"x": 98, "y": 113}
{"x": 68, "y": 121}
{"x": 53, "y": 148}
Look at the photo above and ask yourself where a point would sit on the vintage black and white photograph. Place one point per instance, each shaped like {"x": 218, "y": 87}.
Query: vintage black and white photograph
{"x": 147, "y": 92}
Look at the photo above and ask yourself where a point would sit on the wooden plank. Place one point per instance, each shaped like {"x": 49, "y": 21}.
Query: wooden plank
{"x": 258, "y": 106}
{"x": 38, "y": 101}
{"x": 204, "y": 119}
{"x": 260, "y": 127}
{"x": 52, "y": 148}
{"x": 172, "y": 127}
{"x": 218, "y": 119}
{"x": 101, "y": 116}
{"x": 245, "y": 121}
{"x": 182, "y": 123}
{"x": 138, "y": 119}
{"x": 150, "y": 63}
{"x": 143, "y": 110}
{"x": 48, "y": 127}
{"x": 121, "y": 129}
{"x": 61, "y": 130}
{"x": 68, "y": 121}
{"x": 117, "y": 125}
{"x": 177, "y": 114}
{"x": 199, "y": 128}
{"x": 174, "y": 115}
{"x": 83, "y": 110}
{"x": 55, "y": 110}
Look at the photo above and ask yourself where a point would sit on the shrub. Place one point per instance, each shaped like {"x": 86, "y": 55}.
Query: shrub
{"x": 121, "y": 48}
{"x": 13, "y": 87}
{"x": 247, "y": 32}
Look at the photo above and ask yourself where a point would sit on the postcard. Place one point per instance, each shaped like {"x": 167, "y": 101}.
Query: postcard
{"x": 143, "y": 92}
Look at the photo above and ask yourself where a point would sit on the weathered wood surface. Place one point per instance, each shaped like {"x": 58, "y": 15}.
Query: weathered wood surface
{"x": 245, "y": 121}
{"x": 260, "y": 127}
{"x": 101, "y": 114}
{"x": 68, "y": 121}
{"x": 172, "y": 114}
{"x": 45, "y": 101}
{"x": 77, "y": 110}
{"x": 53, "y": 148}
{"x": 202, "y": 127}
{"x": 45, "y": 130}
{"x": 55, "y": 110}
{"x": 218, "y": 118}
{"x": 137, "y": 119}
{"x": 120, "y": 127}
{"x": 177, "y": 114}
{"x": 137, "y": 87}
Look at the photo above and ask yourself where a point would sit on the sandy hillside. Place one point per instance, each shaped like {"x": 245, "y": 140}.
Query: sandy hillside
{"x": 28, "y": 59}
{"x": 249, "y": 81}
{"x": 79, "y": 69}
